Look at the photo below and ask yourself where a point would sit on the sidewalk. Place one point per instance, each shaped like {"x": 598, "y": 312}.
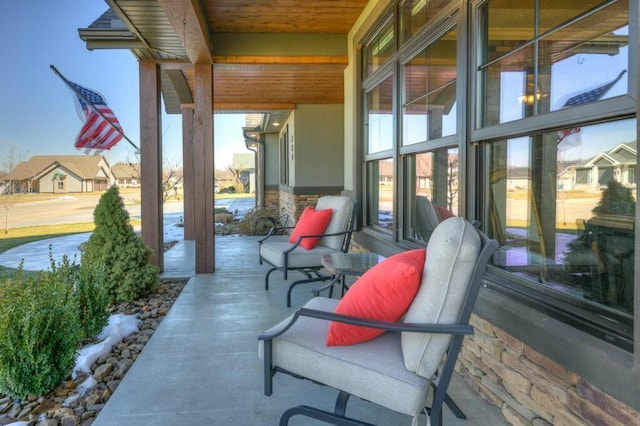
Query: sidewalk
{"x": 35, "y": 255}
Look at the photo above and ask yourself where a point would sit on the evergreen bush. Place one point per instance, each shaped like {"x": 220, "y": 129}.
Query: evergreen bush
{"x": 616, "y": 200}
{"x": 87, "y": 282}
{"x": 93, "y": 300}
{"x": 129, "y": 275}
{"x": 40, "y": 332}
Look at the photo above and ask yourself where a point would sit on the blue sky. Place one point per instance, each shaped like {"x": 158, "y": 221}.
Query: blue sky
{"x": 37, "y": 111}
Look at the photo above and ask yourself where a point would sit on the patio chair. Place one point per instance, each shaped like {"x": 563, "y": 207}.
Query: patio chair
{"x": 285, "y": 256}
{"x": 428, "y": 216}
{"x": 397, "y": 369}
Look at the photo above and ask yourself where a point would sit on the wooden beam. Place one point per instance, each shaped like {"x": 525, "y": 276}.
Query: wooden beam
{"x": 234, "y": 106}
{"x": 203, "y": 168}
{"x": 190, "y": 24}
{"x": 257, "y": 107}
{"x": 296, "y": 60}
{"x": 151, "y": 161}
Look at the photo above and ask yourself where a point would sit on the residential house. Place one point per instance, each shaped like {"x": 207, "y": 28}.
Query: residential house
{"x": 618, "y": 163}
{"x": 61, "y": 174}
{"x": 126, "y": 175}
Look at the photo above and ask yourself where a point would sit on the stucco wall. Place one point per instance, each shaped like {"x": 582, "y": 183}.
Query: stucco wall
{"x": 318, "y": 146}
{"x": 271, "y": 160}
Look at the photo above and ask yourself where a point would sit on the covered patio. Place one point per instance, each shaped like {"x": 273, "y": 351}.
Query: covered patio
{"x": 386, "y": 102}
{"x": 201, "y": 366}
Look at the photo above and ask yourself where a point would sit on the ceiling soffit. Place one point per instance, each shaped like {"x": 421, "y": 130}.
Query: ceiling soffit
{"x": 267, "y": 55}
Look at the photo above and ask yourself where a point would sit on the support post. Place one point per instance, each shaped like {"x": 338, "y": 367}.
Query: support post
{"x": 151, "y": 161}
{"x": 188, "y": 185}
{"x": 203, "y": 168}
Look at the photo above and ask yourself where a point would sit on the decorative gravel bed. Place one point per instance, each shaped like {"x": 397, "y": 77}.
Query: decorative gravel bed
{"x": 108, "y": 371}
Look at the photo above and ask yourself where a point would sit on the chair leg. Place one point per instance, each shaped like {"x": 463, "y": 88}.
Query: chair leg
{"x": 296, "y": 283}
{"x": 266, "y": 278}
{"x": 449, "y": 402}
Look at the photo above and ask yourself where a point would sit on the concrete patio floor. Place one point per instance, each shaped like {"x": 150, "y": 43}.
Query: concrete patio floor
{"x": 201, "y": 366}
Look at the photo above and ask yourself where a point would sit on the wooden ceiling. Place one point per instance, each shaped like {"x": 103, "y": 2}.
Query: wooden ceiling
{"x": 282, "y": 16}
{"x": 266, "y": 54}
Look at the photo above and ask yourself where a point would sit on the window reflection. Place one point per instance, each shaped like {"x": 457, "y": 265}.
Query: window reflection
{"x": 433, "y": 178}
{"x": 380, "y": 198}
{"x": 416, "y": 14}
{"x": 528, "y": 70}
{"x": 380, "y": 117}
{"x": 429, "y": 84}
{"x": 379, "y": 49}
{"x": 562, "y": 205}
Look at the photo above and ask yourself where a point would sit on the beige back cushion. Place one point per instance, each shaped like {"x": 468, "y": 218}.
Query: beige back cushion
{"x": 452, "y": 252}
{"x": 342, "y": 207}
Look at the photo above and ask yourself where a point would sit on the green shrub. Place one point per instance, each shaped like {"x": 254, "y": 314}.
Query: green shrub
{"x": 128, "y": 273}
{"x": 93, "y": 300}
{"x": 40, "y": 332}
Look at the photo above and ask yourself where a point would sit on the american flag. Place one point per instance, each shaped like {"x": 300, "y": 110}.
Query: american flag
{"x": 571, "y": 137}
{"x": 101, "y": 129}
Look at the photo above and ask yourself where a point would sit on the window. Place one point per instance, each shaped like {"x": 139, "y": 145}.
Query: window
{"x": 380, "y": 201}
{"x": 416, "y": 14}
{"x": 410, "y": 122}
{"x": 380, "y": 117}
{"x": 432, "y": 185}
{"x": 558, "y": 178}
{"x": 284, "y": 156}
{"x": 381, "y": 47}
{"x": 559, "y": 57}
{"x": 429, "y": 83}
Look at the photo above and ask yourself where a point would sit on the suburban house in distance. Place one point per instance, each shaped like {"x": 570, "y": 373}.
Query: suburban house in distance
{"x": 354, "y": 96}
{"x": 61, "y": 174}
{"x": 126, "y": 175}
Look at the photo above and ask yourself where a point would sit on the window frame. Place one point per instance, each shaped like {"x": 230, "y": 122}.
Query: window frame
{"x": 572, "y": 311}
{"x": 443, "y": 22}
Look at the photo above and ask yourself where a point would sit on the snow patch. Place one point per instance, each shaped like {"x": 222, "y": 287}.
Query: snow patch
{"x": 119, "y": 327}
{"x": 82, "y": 390}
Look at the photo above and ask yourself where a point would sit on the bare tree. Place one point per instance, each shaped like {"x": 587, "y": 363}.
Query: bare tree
{"x": 452, "y": 182}
{"x": 10, "y": 186}
{"x": 171, "y": 178}
{"x": 171, "y": 175}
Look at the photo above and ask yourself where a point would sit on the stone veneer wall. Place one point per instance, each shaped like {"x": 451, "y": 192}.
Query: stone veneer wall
{"x": 357, "y": 248}
{"x": 531, "y": 389}
{"x": 294, "y": 204}
{"x": 272, "y": 199}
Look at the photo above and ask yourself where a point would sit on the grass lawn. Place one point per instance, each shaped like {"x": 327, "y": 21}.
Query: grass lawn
{"x": 28, "y": 234}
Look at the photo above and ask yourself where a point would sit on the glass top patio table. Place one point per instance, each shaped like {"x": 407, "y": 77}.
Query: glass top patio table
{"x": 350, "y": 263}
{"x": 340, "y": 265}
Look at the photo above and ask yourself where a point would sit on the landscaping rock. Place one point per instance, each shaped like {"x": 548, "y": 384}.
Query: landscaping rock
{"x": 108, "y": 370}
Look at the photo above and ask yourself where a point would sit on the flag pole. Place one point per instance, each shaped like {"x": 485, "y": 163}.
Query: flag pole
{"x": 59, "y": 74}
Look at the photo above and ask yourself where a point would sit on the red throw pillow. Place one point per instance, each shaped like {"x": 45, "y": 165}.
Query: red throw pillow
{"x": 311, "y": 222}
{"x": 443, "y": 212}
{"x": 384, "y": 292}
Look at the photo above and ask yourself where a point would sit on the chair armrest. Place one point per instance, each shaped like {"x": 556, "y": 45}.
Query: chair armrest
{"x": 272, "y": 231}
{"x": 456, "y": 329}
{"x": 302, "y": 237}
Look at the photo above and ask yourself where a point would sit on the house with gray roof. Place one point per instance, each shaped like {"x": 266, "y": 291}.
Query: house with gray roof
{"x": 126, "y": 175}
{"x": 618, "y": 163}
{"x": 61, "y": 174}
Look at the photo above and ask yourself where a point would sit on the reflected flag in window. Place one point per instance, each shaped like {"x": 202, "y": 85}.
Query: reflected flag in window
{"x": 571, "y": 137}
